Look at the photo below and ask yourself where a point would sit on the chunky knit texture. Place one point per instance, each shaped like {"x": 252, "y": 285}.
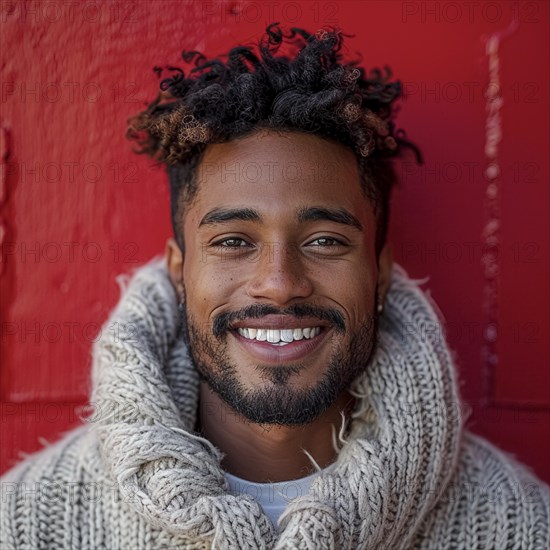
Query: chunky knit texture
{"x": 136, "y": 476}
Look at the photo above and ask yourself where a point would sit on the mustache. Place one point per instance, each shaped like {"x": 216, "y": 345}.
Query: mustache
{"x": 222, "y": 322}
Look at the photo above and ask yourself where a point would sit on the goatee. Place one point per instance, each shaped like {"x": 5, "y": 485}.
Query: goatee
{"x": 278, "y": 402}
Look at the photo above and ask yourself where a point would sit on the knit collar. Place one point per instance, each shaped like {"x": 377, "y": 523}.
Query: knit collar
{"x": 398, "y": 457}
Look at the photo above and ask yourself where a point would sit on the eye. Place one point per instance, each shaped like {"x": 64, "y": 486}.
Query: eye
{"x": 231, "y": 242}
{"x": 326, "y": 242}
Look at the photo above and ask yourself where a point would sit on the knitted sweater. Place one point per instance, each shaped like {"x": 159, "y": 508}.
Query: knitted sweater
{"x": 137, "y": 476}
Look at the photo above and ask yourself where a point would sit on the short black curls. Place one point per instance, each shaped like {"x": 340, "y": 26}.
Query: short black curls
{"x": 293, "y": 81}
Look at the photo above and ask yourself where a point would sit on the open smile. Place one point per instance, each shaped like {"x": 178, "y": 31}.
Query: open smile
{"x": 280, "y": 345}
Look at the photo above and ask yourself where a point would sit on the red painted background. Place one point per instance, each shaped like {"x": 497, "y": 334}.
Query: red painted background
{"x": 77, "y": 207}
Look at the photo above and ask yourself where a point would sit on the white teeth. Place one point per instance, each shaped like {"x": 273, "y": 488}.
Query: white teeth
{"x": 279, "y": 337}
{"x": 287, "y": 335}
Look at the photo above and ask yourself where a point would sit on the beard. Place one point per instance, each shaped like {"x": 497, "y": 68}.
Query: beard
{"x": 279, "y": 403}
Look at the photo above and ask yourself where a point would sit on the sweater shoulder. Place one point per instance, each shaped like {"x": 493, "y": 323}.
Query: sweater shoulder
{"x": 63, "y": 497}
{"x": 492, "y": 501}
{"x": 484, "y": 463}
{"x": 34, "y": 465}
{"x": 45, "y": 485}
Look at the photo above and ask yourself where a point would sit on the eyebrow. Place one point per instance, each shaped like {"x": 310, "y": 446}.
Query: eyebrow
{"x": 221, "y": 215}
{"x": 337, "y": 215}
{"x": 305, "y": 214}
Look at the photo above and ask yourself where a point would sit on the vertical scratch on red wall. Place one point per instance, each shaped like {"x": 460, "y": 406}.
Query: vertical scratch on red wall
{"x": 4, "y": 156}
{"x": 491, "y": 232}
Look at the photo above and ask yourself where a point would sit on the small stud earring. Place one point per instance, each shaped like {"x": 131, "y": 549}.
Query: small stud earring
{"x": 380, "y": 308}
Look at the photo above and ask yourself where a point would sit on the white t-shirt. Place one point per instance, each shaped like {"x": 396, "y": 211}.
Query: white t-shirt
{"x": 274, "y": 497}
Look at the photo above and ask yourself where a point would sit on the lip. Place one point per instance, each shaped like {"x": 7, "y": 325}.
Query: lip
{"x": 293, "y": 351}
{"x": 280, "y": 322}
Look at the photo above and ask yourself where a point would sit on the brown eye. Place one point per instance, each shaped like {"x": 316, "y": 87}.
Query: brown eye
{"x": 231, "y": 242}
{"x": 327, "y": 241}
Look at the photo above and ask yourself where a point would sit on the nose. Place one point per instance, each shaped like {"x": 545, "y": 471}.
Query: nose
{"x": 279, "y": 275}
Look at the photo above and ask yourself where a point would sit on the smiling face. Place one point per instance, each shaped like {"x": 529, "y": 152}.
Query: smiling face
{"x": 280, "y": 277}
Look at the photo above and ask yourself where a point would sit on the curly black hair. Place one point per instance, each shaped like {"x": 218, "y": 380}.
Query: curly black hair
{"x": 289, "y": 81}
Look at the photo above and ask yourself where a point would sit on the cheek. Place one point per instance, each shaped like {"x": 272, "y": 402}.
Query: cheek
{"x": 353, "y": 288}
{"x": 208, "y": 287}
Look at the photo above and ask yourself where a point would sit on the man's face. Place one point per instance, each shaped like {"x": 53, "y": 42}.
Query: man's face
{"x": 280, "y": 276}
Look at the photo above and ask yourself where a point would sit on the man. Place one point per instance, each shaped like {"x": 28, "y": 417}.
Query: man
{"x": 274, "y": 382}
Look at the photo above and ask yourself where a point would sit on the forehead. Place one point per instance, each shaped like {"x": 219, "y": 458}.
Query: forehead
{"x": 286, "y": 156}
{"x": 277, "y": 172}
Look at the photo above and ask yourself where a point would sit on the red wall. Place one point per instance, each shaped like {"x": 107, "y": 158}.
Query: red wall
{"x": 77, "y": 207}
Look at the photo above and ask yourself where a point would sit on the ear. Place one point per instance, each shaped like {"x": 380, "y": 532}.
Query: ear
{"x": 174, "y": 261}
{"x": 385, "y": 264}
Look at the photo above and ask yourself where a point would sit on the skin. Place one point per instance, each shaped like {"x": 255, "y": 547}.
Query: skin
{"x": 279, "y": 261}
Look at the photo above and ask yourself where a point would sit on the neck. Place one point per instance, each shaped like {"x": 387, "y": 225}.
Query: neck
{"x": 265, "y": 452}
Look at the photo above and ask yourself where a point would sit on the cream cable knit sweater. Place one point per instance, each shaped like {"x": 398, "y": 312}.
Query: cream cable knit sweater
{"x": 137, "y": 477}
